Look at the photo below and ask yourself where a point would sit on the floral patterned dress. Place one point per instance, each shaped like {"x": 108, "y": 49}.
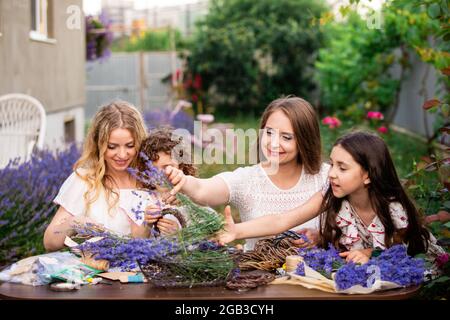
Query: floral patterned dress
{"x": 357, "y": 235}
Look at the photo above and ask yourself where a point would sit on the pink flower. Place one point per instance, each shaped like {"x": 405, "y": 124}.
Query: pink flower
{"x": 442, "y": 260}
{"x": 375, "y": 115}
{"x": 382, "y": 129}
{"x": 331, "y": 122}
{"x": 197, "y": 82}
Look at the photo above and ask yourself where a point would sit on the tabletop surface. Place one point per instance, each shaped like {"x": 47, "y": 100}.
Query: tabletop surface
{"x": 144, "y": 291}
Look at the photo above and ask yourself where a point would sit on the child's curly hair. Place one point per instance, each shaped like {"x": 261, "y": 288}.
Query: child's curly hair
{"x": 161, "y": 139}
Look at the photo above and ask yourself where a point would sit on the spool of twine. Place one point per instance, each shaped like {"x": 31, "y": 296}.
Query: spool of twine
{"x": 292, "y": 262}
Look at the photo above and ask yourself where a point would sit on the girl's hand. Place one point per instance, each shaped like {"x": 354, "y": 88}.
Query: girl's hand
{"x": 176, "y": 177}
{"x": 152, "y": 214}
{"x": 167, "y": 226}
{"x": 229, "y": 233}
{"x": 357, "y": 256}
{"x": 312, "y": 235}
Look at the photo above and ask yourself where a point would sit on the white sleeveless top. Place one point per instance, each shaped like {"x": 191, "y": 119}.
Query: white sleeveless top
{"x": 71, "y": 198}
{"x": 255, "y": 195}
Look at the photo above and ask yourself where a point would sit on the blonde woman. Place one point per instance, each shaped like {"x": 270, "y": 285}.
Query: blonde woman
{"x": 100, "y": 186}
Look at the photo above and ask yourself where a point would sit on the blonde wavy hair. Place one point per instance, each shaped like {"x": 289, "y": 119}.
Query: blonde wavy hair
{"x": 115, "y": 115}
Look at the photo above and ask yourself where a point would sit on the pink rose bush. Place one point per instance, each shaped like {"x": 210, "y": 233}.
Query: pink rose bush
{"x": 331, "y": 122}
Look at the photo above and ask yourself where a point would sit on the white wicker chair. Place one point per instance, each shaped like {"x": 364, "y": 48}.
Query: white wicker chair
{"x": 22, "y": 126}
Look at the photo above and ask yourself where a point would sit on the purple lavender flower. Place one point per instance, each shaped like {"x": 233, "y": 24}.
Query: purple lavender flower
{"x": 99, "y": 37}
{"x": 300, "y": 269}
{"x": 393, "y": 264}
{"x": 26, "y": 200}
{"x": 128, "y": 253}
{"x": 151, "y": 176}
{"x": 208, "y": 245}
{"x": 323, "y": 261}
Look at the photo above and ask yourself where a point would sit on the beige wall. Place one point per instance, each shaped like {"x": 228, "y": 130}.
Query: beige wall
{"x": 54, "y": 73}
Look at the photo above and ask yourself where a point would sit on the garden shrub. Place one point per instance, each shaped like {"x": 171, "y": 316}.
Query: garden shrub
{"x": 27, "y": 191}
{"x": 251, "y": 52}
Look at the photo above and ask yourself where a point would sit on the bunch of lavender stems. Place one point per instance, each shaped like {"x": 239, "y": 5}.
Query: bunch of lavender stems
{"x": 205, "y": 222}
{"x": 200, "y": 266}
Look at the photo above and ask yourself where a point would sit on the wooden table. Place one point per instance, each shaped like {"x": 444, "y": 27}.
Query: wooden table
{"x": 130, "y": 291}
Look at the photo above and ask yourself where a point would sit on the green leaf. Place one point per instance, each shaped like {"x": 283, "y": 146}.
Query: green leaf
{"x": 445, "y": 7}
{"x": 447, "y": 36}
{"x": 420, "y": 256}
{"x": 447, "y": 204}
{"x": 445, "y": 109}
{"x": 447, "y": 225}
{"x": 442, "y": 279}
{"x": 434, "y": 11}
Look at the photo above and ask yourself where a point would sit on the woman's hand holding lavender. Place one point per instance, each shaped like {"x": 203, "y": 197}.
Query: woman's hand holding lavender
{"x": 176, "y": 177}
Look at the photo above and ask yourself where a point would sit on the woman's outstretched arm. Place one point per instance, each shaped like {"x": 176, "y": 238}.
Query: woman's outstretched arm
{"x": 209, "y": 192}
{"x": 270, "y": 224}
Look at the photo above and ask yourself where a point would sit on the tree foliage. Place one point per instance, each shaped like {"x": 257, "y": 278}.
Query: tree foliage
{"x": 354, "y": 69}
{"x": 251, "y": 52}
{"x": 151, "y": 40}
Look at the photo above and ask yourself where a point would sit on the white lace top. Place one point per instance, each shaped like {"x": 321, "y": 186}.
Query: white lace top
{"x": 71, "y": 198}
{"x": 255, "y": 195}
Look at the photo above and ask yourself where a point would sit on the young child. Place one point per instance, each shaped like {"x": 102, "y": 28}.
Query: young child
{"x": 364, "y": 207}
{"x": 158, "y": 147}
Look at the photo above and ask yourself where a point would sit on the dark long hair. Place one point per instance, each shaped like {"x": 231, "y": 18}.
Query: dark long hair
{"x": 372, "y": 154}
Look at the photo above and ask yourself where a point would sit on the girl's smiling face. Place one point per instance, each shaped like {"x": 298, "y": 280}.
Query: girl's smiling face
{"x": 120, "y": 151}
{"x": 346, "y": 175}
{"x": 278, "y": 140}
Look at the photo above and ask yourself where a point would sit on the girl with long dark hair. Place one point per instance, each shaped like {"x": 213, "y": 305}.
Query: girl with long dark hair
{"x": 364, "y": 206}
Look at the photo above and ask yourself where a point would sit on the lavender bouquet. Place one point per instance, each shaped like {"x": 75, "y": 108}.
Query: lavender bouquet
{"x": 327, "y": 271}
{"x": 186, "y": 258}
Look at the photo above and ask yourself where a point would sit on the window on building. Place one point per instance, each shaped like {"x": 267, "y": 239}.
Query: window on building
{"x": 41, "y": 19}
{"x": 69, "y": 130}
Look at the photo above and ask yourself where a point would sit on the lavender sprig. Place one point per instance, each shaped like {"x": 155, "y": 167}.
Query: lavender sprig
{"x": 393, "y": 264}
{"x": 128, "y": 253}
{"x": 323, "y": 261}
